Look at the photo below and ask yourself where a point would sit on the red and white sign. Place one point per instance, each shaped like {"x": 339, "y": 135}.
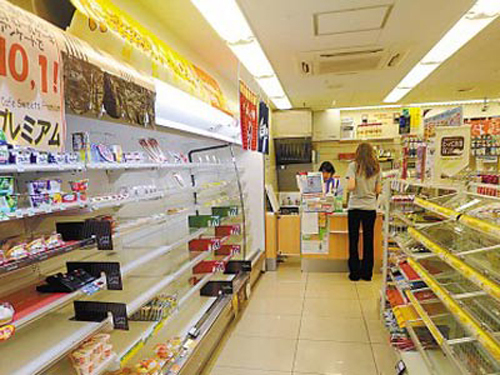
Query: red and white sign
{"x": 484, "y": 126}
{"x": 248, "y": 118}
{"x": 31, "y": 97}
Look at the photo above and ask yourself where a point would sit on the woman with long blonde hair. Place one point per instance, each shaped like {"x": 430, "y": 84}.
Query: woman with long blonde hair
{"x": 363, "y": 183}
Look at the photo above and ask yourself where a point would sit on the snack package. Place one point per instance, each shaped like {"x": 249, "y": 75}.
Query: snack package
{"x": 6, "y": 313}
{"x": 117, "y": 153}
{"x": 40, "y": 200}
{"x": 79, "y": 185}
{"x": 38, "y": 245}
{"x": 70, "y": 198}
{"x": 19, "y": 155}
{"x": 54, "y": 241}
{"x": 4, "y": 154}
{"x": 8, "y": 204}
{"x": 81, "y": 145}
{"x": 17, "y": 252}
{"x": 6, "y": 185}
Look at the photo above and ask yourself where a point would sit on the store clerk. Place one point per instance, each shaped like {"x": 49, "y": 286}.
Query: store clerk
{"x": 332, "y": 185}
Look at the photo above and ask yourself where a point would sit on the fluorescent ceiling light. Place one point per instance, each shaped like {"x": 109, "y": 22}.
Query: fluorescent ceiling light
{"x": 396, "y": 95}
{"x": 271, "y": 86}
{"x": 369, "y": 107}
{"x": 253, "y": 58}
{"x": 226, "y": 18}
{"x": 175, "y": 106}
{"x": 282, "y": 103}
{"x": 482, "y": 13}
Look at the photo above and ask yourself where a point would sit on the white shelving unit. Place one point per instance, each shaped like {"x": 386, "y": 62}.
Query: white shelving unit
{"x": 455, "y": 297}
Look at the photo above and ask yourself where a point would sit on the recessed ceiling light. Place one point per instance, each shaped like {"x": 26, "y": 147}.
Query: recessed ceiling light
{"x": 482, "y": 13}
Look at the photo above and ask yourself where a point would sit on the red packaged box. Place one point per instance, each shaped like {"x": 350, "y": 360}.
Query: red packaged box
{"x": 204, "y": 244}
{"x": 209, "y": 266}
{"x": 228, "y": 250}
{"x": 227, "y": 230}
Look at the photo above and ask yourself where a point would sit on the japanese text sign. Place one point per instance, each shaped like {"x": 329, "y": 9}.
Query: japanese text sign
{"x": 31, "y": 98}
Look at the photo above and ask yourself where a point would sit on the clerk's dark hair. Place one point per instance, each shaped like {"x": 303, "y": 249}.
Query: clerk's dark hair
{"x": 327, "y": 167}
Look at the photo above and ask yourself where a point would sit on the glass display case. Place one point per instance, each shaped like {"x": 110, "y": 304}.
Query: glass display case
{"x": 442, "y": 253}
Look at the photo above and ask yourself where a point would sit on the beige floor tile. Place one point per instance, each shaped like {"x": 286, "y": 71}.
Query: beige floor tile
{"x": 328, "y": 357}
{"x": 242, "y": 371}
{"x": 277, "y": 326}
{"x": 280, "y": 289}
{"x": 368, "y": 291}
{"x": 385, "y": 358}
{"x": 376, "y": 331}
{"x": 287, "y": 275}
{"x": 334, "y": 308}
{"x": 333, "y": 329}
{"x": 370, "y": 308}
{"x": 275, "y": 306}
{"x": 331, "y": 291}
{"x": 258, "y": 353}
{"x": 337, "y": 277}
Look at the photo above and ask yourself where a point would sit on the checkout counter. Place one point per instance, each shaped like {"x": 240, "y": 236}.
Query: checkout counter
{"x": 318, "y": 233}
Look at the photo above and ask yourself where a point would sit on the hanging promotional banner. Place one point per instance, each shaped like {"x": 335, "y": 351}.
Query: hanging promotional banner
{"x": 452, "y": 117}
{"x": 248, "y": 118}
{"x": 31, "y": 97}
{"x": 107, "y": 27}
{"x": 263, "y": 145}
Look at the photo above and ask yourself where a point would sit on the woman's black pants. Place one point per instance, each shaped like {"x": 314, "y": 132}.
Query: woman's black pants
{"x": 361, "y": 269}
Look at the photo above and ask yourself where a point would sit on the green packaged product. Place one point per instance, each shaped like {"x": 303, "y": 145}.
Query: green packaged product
{"x": 225, "y": 211}
{"x": 204, "y": 221}
{"x": 6, "y": 185}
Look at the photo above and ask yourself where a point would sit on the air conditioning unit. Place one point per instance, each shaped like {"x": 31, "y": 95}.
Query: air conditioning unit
{"x": 348, "y": 61}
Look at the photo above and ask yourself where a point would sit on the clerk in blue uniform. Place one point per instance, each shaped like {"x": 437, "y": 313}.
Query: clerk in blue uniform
{"x": 328, "y": 171}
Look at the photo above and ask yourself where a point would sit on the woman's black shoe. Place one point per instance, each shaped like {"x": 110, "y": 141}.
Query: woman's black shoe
{"x": 353, "y": 278}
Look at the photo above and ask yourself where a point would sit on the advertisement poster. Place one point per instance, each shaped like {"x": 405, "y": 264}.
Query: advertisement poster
{"x": 452, "y": 150}
{"x": 248, "y": 118}
{"x": 484, "y": 126}
{"x": 263, "y": 146}
{"x": 452, "y": 117}
{"x": 31, "y": 97}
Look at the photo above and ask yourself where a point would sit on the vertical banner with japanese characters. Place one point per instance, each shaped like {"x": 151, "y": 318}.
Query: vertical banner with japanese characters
{"x": 31, "y": 97}
{"x": 248, "y": 118}
{"x": 263, "y": 128}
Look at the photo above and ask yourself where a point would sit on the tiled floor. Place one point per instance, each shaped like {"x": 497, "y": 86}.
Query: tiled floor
{"x": 307, "y": 323}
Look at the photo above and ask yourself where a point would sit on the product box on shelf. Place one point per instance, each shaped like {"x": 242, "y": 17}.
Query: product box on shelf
{"x": 209, "y": 266}
{"x": 205, "y": 244}
{"x": 226, "y": 211}
{"x": 228, "y": 250}
{"x": 228, "y": 230}
{"x": 89, "y": 356}
{"x": 204, "y": 221}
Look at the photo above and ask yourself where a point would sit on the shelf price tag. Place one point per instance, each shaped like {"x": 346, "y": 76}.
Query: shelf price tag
{"x": 31, "y": 101}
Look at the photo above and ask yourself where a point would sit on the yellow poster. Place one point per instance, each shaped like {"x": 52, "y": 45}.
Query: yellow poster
{"x": 104, "y": 25}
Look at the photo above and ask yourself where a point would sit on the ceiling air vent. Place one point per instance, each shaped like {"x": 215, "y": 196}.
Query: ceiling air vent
{"x": 348, "y": 61}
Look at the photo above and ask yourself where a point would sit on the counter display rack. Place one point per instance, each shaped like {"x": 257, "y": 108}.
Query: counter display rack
{"x": 150, "y": 236}
{"x": 441, "y": 278}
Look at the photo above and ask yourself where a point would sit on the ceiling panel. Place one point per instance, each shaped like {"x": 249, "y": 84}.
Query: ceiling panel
{"x": 351, "y": 20}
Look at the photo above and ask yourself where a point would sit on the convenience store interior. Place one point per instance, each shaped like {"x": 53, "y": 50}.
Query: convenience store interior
{"x": 164, "y": 208}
